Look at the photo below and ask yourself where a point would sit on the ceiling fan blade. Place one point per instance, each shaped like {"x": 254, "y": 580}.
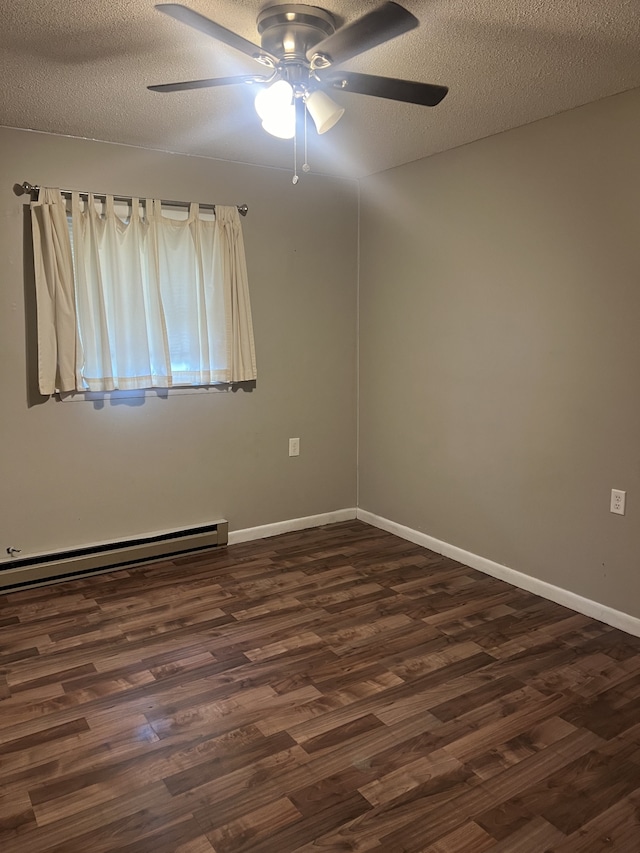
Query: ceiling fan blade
{"x": 383, "y": 24}
{"x": 207, "y": 84}
{"x": 425, "y": 94}
{"x": 217, "y": 31}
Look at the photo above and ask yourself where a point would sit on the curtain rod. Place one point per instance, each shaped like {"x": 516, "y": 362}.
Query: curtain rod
{"x": 33, "y": 189}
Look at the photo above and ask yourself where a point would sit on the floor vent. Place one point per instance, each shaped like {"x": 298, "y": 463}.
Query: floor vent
{"x": 63, "y": 564}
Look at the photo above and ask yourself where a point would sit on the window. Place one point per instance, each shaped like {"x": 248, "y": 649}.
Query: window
{"x": 139, "y": 297}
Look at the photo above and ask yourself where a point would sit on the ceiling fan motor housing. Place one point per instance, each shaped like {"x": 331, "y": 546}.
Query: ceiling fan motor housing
{"x": 290, "y": 30}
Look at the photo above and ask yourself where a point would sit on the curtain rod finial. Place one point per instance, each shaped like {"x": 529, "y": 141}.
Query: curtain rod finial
{"x": 25, "y": 188}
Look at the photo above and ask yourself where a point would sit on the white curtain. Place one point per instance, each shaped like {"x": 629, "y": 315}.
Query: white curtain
{"x": 55, "y": 302}
{"x": 154, "y": 301}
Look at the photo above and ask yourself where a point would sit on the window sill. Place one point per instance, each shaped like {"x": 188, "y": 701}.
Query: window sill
{"x": 142, "y": 393}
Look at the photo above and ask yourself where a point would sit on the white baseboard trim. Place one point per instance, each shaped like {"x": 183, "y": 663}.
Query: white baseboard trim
{"x": 608, "y": 615}
{"x": 265, "y": 530}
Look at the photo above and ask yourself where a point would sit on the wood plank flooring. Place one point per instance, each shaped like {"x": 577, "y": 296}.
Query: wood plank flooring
{"x": 337, "y": 689}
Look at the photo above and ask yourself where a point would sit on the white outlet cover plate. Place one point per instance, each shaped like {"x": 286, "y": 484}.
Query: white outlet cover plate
{"x": 618, "y": 501}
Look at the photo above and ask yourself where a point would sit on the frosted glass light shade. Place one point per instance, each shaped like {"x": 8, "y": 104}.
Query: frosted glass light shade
{"x": 323, "y": 110}
{"x": 275, "y": 107}
{"x": 283, "y": 124}
{"x": 273, "y": 98}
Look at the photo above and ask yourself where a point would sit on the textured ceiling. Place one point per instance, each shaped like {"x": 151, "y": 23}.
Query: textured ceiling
{"x": 81, "y": 67}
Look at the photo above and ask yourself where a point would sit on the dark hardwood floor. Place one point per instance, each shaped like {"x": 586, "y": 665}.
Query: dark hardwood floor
{"x": 335, "y": 689}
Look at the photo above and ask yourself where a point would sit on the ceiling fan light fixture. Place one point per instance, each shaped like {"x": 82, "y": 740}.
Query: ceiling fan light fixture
{"x": 323, "y": 110}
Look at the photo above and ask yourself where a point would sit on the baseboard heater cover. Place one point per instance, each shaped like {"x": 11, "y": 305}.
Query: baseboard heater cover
{"x": 111, "y": 555}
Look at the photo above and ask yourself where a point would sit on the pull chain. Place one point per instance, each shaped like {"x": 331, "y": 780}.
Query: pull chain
{"x": 305, "y": 166}
{"x": 295, "y": 178}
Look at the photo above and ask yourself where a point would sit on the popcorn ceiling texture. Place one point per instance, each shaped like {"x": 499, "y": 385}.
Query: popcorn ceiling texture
{"x": 81, "y": 69}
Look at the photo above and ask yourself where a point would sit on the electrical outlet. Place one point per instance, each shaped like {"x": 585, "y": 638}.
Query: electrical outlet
{"x": 294, "y": 447}
{"x": 618, "y": 500}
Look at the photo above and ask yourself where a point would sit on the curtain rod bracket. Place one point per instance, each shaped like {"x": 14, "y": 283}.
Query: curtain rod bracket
{"x": 25, "y": 188}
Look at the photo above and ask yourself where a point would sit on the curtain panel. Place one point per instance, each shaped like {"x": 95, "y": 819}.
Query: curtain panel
{"x": 145, "y": 301}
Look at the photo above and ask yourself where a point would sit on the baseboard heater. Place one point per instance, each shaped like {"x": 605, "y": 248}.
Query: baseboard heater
{"x": 60, "y": 565}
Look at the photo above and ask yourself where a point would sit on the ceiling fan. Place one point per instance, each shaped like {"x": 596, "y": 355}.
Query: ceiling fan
{"x": 301, "y": 49}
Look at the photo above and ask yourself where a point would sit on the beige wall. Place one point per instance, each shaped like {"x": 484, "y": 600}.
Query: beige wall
{"x": 73, "y": 473}
{"x": 499, "y": 356}
{"x": 500, "y": 348}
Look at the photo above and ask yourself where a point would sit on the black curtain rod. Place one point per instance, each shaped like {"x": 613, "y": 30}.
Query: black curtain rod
{"x": 33, "y": 189}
